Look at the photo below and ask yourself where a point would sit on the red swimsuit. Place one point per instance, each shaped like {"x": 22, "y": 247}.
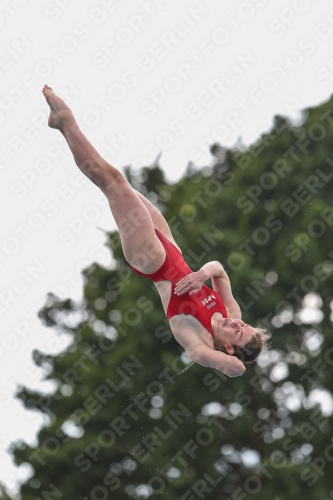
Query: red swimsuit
{"x": 201, "y": 305}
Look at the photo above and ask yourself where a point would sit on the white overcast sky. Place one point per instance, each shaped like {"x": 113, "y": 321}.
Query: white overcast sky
{"x": 142, "y": 77}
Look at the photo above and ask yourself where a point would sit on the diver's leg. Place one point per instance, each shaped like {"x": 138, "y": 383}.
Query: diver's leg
{"x": 158, "y": 220}
{"x": 142, "y": 249}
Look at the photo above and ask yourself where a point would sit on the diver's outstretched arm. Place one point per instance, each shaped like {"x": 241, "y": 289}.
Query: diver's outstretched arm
{"x": 229, "y": 365}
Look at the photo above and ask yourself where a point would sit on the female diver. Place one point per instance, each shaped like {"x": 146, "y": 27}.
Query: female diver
{"x": 206, "y": 322}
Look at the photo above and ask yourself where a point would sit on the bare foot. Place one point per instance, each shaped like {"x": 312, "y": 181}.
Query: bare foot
{"x": 60, "y": 112}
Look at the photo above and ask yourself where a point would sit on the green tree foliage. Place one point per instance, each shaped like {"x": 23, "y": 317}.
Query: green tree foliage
{"x": 119, "y": 426}
{"x": 4, "y": 493}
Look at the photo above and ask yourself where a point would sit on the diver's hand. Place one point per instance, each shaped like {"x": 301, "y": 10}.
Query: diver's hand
{"x": 192, "y": 283}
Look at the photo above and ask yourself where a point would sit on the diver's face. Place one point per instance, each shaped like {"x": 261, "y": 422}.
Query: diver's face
{"x": 234, "y": 332}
